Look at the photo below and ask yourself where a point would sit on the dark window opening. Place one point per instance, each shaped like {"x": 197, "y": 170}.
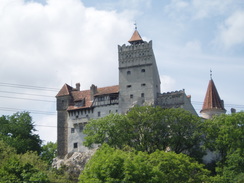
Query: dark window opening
{"x": 143, "y": 84}
{"x": 128, "y": 72}
{"x": 98, "y": 113}
{"x": 75, "y": 145}
{"x": 72, "y": 130}
{"x": 128, "y": 86}
{"x": 142, "y": 94}
{"x": 81, "y": 128}
{"x": 131, "y": 96}
{"x": 143, "y": 70}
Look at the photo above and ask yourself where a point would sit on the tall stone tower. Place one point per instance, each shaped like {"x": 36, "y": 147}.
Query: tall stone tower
{"x": 212, "y": 104}
{"x": 63, "y": 102}
{"x": 139, "y": 80}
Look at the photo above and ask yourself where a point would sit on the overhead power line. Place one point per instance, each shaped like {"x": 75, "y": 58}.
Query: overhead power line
{"x": 28, "y": 110}
{"x": 26, "y": 94}
{"x": 40, "y": 100}
{"x": 28, "y": 87}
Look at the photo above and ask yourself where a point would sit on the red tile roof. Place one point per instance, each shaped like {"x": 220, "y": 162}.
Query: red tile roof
{"x": 135, "y": 37}
{"x": 212, "y": 99}
{"x": 84, "y": 95}
{"x": 65, "y": 90}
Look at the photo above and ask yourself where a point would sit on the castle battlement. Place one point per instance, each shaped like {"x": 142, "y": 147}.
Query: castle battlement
{"x": 135, "y": 55}
{"x": 144, "y": 45}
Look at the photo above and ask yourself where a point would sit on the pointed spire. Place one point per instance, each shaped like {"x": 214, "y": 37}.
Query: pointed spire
{"x": 212, "y": 101}
{"x": 135, "y": 38}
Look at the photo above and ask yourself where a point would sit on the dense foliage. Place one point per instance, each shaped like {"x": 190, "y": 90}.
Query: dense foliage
{"x": 114, "y": 165}
{"x": 49, "y": 151}
{"x": 22, "y": 158}
{"x": 225, "y": 136}
{"x": 136, "y": 150}
{"x": 18, "y": 130}
{"x": 148, "y": 129}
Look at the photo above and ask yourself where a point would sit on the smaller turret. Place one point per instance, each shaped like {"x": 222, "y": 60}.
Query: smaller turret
{"x": 212, "y": 104}
{"x": 135, "y": 38}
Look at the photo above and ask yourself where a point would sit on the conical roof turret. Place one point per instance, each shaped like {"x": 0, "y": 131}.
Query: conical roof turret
{"x": 135, "y": 38}
{"x": 212, "y": 103}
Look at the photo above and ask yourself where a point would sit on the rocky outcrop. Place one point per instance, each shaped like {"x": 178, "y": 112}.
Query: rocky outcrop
{"x": 73, "y": 162}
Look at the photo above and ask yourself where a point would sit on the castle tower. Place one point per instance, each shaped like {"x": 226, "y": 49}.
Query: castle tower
{"x": 63, "y": 101}
{"x": 139, "y": 80}
{"x": 212, "y": 104}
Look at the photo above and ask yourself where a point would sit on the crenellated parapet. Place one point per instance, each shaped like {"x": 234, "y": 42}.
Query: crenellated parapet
{"x": 135, "y": 55}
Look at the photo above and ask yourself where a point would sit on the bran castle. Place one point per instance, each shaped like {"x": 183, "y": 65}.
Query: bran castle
{"x": 139, "y": 84}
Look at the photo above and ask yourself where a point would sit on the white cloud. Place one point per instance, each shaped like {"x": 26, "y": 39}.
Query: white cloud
{"x": 55, "y": 43}
{"x": 199, "y": 9}
{"x": 232, "y": 31}
{"x": 192, "y": 48}
{"x": 47, "y": 128}
{"x": 208, "y": 8}
{"x": 167, "y": 83}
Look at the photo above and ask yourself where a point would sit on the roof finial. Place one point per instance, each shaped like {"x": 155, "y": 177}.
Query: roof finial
{"x": 135, "y": 25}
{"x": 210, "y": 73}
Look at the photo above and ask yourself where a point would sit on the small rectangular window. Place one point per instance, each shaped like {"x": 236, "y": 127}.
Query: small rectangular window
{"x": 75, "y": 145}
{"x": 143, "y": 84}
{"x": 81, "y": 128}
{"x": 98, "y": 113}
{"x": 142, "y": 94}
{"x": 128, "y": 72}
{"x": 128, "y": 86}
{"x": 143, "y": 70}
{"x": 72, "y": 130}
{"x": 131, "y": 96}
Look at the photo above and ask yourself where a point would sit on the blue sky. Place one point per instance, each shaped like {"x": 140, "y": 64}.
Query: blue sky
{"x": 49, "y": 43}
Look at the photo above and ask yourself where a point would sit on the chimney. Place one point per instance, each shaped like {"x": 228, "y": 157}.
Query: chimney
{"x": 93, "y": 90}
{"x": 78, "y": 86}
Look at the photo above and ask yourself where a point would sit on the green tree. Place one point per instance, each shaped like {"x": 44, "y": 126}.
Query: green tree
{"x": 21, "y": 167}
{"x": 114, "y": 165}
{"x": 225, "y": 133}
{"x": 225, "y": 136}
{"x": 18, "y": 130}
{"x": 49, "y": 151}
{"x": 148, "y": 129}
{"x": 27, "y": 167}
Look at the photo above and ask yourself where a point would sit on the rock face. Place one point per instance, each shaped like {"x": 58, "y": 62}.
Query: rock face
{"x": 73, "y": 162}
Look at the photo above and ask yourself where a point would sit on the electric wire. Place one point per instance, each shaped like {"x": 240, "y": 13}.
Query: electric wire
{"x": 38, "y": 95}
{"x": 29, "y": 110}
{"x": 28, "y": 87}
{"x": 40, "y": 100}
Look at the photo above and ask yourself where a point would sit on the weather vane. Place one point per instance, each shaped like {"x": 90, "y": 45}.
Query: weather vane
{"x": 210, "y": 73}
{"x": 135, "y": 25}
